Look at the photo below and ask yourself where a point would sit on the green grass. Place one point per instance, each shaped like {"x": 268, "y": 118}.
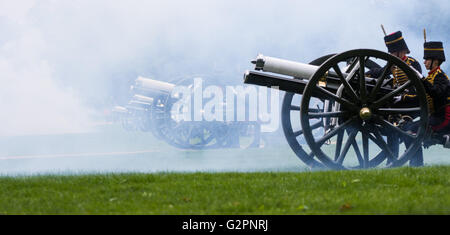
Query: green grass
{"x": 380, "y": 191}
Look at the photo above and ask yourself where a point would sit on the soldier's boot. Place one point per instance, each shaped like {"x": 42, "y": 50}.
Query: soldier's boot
{"x": 447, "y": 141}
{"x": 417, "y": 159}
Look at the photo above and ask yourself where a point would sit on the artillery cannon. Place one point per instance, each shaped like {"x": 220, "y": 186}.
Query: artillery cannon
{"x": 133, "y": 116}
{"x": 151, "y": 110}
{"x": 336, "y": 109}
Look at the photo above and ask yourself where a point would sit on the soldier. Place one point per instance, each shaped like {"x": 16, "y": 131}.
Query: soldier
{"x": 396, "y": 46}
{"x": 437, "y": 86}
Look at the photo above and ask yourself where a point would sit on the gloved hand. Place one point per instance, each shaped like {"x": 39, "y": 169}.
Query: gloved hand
{"x": 397, "y": 99}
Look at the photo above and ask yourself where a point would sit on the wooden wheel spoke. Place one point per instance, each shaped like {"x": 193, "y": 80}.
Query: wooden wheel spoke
{"x": 393, "y": 128}
{"x": 358, "y": 152}
{"x": 347, "y": 86}
{"x": 352, "y": 66}
{"x": 334, "y": 97}
{"x": 294, "y": 108}
{"x": 394, "y": 142}
{"x": 386, "y": 82}
{"x": 410, "y": 111}
{"x": 297, "y": 133}
{"x": 381, "y": 143}
{"x": 380, "y": 81}
{"x": 377, "y": 159}
{"x": 328, "y": 114}
{"x": 340, "y": 138}
{"x": 347, "y": 145}
{"x": 333, "y": 132}
{"x": 202, "y": 135}
{"x": 352, "y": 69}
{"x": 210, "y": 136}
{"x": 365, "y": 141}
{"x": 313, "y": 127}
{"x": 315, "y": 110}
{"x": 388, "y": 97}
{"x": 362, "y": 80}
{"x": 316, "y": 125}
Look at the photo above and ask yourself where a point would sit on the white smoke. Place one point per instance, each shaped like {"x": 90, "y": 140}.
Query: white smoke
{"x": 61, "y": 59}
{"x": 32, "y": 102}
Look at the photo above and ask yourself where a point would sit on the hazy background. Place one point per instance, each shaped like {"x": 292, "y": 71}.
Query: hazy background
{"x": 64, "y": 64}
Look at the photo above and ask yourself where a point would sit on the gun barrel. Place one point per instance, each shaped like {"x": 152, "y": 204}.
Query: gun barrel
{"x": 285, "y": 67}
{"x": 120, "y": 109}
{"x": 151, "y": 85}
{"x": 272, "y": 81}
{"x": 137, "y": 103}
{"x": 297, "y": 85}
{"x": 143, "y": 99}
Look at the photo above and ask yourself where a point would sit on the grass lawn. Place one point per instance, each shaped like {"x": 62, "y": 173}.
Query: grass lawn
{"x": 403, "y": 190}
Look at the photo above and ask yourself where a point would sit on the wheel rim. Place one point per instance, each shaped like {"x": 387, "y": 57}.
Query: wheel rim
{"x": 185, "y": 134}
{"x": 292, "y": 133}
{"x": 362, "y": 113}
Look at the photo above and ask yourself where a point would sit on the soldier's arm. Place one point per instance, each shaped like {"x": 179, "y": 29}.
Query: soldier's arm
{"x": 376, "y": 72}
{"x": 439, "y": 87}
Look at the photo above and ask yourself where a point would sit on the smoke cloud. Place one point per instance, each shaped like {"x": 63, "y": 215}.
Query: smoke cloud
{"x": 64, "y": 62}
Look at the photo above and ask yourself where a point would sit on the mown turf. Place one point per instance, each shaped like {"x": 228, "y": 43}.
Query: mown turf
{"x": 381, "y": 191}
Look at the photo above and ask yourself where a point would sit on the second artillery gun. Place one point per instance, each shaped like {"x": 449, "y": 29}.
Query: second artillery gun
{"x": 347, "y": 119}
{"x": 150, "y": 110}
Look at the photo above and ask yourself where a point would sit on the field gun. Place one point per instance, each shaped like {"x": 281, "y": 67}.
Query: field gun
{"x": 151, "y": 109}
{"x": 333, "y": 106}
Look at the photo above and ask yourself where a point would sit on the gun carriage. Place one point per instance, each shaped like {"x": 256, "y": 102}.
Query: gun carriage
{"x": 151, "y": 110}
{"x": 334, "y": 115}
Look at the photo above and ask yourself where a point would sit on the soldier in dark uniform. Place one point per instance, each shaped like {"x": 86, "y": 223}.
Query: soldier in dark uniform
{"x": 437, "y": 86}
{"x": 396, "y": 46}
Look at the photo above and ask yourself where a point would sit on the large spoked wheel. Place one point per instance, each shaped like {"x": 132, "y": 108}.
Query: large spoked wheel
{"x": 290, "y": 123}
{"x": 362, "y": 112}
{"x": 186, "y": 134}
{"x": 291, "y": 119}
{"x": 198, "y": 135}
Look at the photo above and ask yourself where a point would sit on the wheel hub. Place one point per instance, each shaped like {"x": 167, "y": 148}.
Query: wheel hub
{"x": 365, "y": 113}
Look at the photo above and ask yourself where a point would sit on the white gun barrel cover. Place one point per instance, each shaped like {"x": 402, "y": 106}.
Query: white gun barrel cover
{"x": 151, "y": 84}
{"x": 285, "y": 67}
{"x": 143, "y": 98}
{"x": 119, "y": 109}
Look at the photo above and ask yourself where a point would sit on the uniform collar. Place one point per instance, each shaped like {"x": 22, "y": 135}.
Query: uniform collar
{"x": 434, "y": 70}
{"x": 404, "y": 58}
